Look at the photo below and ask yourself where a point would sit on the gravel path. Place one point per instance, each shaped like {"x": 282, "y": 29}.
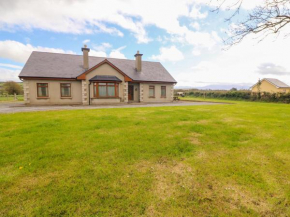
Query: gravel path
{"x": 15, "y": 107}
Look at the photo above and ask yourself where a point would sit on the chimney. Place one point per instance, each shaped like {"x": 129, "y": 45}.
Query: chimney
{"x": 85, "y": 51}
{"x": 138, "y": 62}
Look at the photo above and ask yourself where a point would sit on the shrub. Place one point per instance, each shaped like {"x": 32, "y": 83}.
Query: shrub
{"x": 241, "y": 95}
{"x": 12, "y": 87}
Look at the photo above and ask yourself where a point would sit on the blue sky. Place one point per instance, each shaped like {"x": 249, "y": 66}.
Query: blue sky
{"x": 185, "y": 36}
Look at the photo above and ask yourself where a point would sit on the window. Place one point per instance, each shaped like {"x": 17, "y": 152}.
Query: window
{"x": 151, "y": 91}
{"x": 163, "y": 91}
{"x": 42, "y": 90}
{"x": 106, "y": 90}
{"x": 65, "y": 90}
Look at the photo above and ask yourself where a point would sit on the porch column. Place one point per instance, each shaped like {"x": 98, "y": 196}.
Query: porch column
{"x": 141, "y": 92}
{"x": 125, "y": 91}
{"x": 84, "y": 92}
{"x": 26, "y": 92}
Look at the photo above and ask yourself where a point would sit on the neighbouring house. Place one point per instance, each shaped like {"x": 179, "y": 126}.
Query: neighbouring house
{"x": 180, "y": 94}
{"x": 270, "y": 85}
{"x": 53, "y": 78}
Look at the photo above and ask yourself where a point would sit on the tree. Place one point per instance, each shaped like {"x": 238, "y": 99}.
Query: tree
{"x": 234, "y": 89}
{"x": 259, "y": 88}
{"x": 269, "y": 18}
{"x": 12, "y": 87}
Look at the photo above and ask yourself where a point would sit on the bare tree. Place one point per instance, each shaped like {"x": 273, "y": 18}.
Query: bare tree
{"x": 268, "y": 18}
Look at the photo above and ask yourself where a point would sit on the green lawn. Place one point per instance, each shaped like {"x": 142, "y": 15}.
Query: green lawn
{"x": 214, "y": 160}
{"x": 10, "y": 98}
{"x": 201, "y": 99}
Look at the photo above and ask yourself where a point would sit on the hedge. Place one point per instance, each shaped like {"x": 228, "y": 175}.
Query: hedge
{"x": 242, "y": 95}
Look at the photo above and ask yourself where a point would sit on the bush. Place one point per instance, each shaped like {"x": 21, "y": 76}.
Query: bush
{"x": 242, "y": 95}
{"x": 12, "y": 87}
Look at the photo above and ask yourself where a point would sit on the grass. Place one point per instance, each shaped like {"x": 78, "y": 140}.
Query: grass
{"x": 202, "y": 99}
{"x": 10, "y": 98}
{"x": 214, "y": 160}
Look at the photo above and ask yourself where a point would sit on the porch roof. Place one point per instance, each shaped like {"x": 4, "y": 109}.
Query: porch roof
{"x": 105, "y": 78}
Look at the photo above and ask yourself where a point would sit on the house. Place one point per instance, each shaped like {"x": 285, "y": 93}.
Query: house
{"x": 180, "y": 94}
{"x": 53, "y": 78}
{"x": 270, "y": 85}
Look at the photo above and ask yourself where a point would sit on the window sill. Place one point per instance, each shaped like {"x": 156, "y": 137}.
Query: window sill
{"x": 151, "y": 96}
{"x": 66, "y": 97}
{"x": 42, "y": 98}
{"x": 163, "y": 97}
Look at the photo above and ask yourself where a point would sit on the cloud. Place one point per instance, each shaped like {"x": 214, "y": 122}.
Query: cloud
{"x": 19, "y": 52}
{"x": 168, "y": 54}
{"x": 102, "y": 47}
{"x": 100, "y": 50}
{"x": 103, "y": 28}
{"x": 196, "y": 14}
{"x": 97, "y": 53}
{"x": 203, "y": 39}
{"x": 195, "y": 25}
{"x": 10, "y": 66}
{"x": 272, "y": 69}
{"x": 231, "y": 4}
{"x": 196, "y": 52}
{"x": 243, "y": 63}
{"x": 86, "y": 41}
{"x": 89, "y": 17}
{"x": 8, "y": 74}
{"x": 117, "y": 53}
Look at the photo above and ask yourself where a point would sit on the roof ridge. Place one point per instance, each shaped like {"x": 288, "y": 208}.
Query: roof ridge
{"x": 93, "y": 56}
{"x": 36, "y": 51}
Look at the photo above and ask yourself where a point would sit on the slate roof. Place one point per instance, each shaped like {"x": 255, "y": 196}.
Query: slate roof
{"x": 55, "y": 65}
{"x": 277, "y": 82}
{"x": 105, "y": 78}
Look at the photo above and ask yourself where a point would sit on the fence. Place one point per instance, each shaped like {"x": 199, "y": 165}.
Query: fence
{"x": 5, "y": 97}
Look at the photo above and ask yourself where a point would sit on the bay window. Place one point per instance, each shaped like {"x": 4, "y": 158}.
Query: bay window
{"x": 106, "y": 90}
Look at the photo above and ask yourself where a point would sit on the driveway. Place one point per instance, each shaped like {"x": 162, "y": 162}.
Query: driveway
{"x": 14, "y": 107}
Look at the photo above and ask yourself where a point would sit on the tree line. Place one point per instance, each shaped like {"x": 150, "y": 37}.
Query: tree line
{"x": 11, "y": 88}
{"x": 241, "y": 95}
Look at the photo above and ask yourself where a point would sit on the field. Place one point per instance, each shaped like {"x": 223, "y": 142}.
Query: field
{"x": 9, "y": 98}
{"x": 214, "y": 160}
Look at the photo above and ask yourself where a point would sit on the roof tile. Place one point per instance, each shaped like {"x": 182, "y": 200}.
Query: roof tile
{"x": 56, "y": 65}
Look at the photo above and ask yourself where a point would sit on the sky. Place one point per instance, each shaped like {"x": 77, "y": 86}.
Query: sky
{"x": 184, "y": 35}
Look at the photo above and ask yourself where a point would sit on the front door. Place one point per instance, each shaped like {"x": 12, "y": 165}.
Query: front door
{"x": 131, "y": 92}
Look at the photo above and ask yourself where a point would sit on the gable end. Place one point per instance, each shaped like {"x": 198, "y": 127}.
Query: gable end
{"x": 83, "y": 75}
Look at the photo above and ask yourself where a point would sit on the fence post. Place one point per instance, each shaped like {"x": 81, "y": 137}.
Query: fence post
{"x": 15, "y": 97}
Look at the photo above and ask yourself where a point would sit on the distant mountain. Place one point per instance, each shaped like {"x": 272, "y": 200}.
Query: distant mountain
{"x": 218, "y": 87}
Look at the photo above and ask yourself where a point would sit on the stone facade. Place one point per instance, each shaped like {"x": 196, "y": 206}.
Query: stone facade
{"x": 125, "y": 91}
{"x": 172, "y": 91}
{"x": 26, "y": 92}
{"x": 85, "y": 92}
{"x": 141, "y": 92}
